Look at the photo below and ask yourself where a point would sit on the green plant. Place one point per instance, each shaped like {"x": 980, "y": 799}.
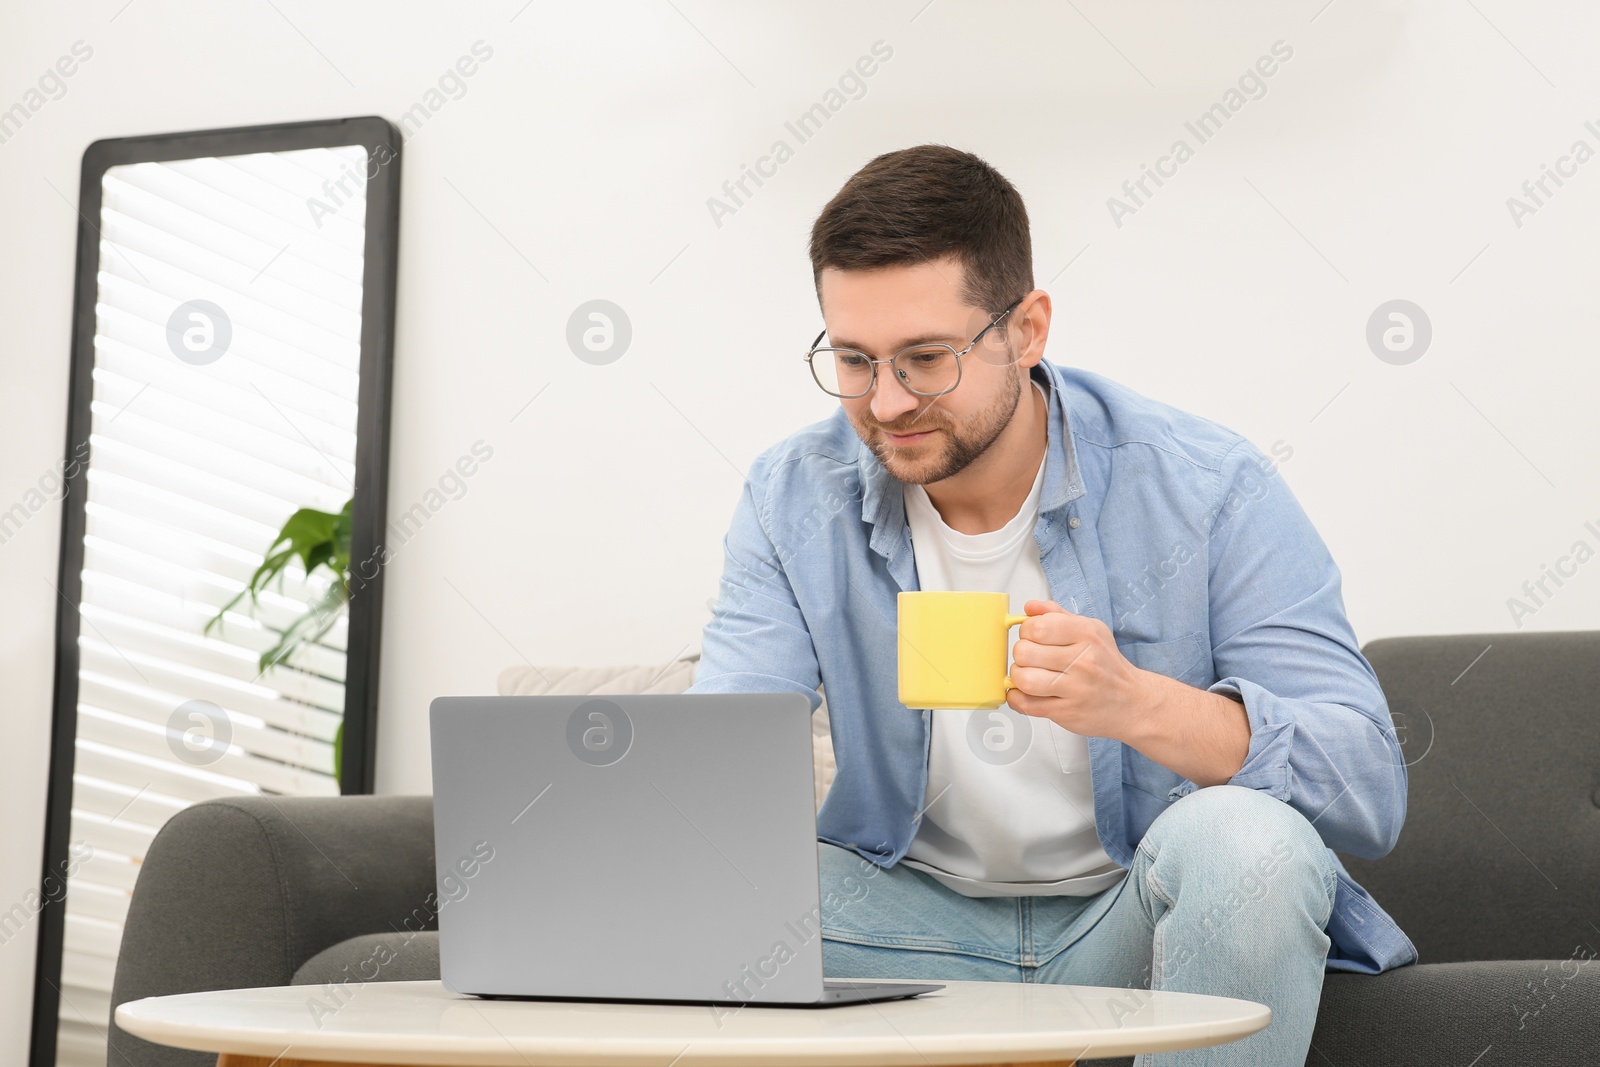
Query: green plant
{"x": 317, "y": 539}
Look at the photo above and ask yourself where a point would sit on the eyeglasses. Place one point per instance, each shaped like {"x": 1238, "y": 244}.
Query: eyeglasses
{"x": 926, "y": 370}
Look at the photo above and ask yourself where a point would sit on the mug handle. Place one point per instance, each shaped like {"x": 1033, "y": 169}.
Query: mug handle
{"x": 1012, "y": 620}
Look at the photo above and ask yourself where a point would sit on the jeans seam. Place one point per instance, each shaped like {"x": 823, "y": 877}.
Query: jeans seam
{"x": 920, "y": 945}
{"x": 1025, "y": 955}
{"x": 1330, "y": 890}
{"x": 1150, "y": 881}
{"x": 1158, "y": 941}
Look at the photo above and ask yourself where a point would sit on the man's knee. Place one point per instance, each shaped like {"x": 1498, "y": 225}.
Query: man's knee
{"x": 1231, "y": 816}
{"x": 1245, "y": 831}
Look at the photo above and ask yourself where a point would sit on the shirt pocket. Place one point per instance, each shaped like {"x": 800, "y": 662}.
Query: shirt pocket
{"x": 1186, "y": 658}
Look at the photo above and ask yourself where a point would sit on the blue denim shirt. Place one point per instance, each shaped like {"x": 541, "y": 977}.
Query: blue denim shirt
{"x": 1174, "y": 531}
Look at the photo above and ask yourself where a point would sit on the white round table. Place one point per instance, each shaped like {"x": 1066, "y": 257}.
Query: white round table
{"x": 421, "y": 1023}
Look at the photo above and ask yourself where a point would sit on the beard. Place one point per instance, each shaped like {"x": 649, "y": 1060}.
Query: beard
{"x": 954, "y": 447}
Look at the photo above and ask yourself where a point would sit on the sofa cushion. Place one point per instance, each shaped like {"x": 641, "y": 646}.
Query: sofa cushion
{"x": 1527, "y": 1011}
{"x": 674, "y": 676}
{"x": 1501, "y": 733}
{"x": 394, "y": 957}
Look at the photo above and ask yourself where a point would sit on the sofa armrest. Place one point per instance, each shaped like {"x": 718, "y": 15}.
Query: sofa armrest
{"x": 239, "y": 892}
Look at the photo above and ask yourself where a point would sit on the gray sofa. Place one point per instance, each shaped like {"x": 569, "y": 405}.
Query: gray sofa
{"x": 1496, "y": 876}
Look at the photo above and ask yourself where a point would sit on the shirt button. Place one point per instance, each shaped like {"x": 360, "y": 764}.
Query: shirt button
{"x": 1073, "y": 522}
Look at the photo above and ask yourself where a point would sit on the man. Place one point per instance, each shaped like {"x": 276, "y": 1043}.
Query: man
{"x": 1193, "y": 728}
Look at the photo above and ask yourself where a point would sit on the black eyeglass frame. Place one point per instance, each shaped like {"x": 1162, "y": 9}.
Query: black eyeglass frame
{"x": 873, "y": 363}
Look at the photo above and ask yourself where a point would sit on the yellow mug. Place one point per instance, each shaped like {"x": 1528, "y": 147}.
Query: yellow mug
{"x": 953, "y": 648}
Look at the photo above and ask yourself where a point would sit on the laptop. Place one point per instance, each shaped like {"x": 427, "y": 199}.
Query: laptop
{"x": 632, "y": 847}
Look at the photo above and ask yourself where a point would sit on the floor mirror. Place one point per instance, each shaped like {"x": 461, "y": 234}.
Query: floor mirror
{"x": 220, "y": 588}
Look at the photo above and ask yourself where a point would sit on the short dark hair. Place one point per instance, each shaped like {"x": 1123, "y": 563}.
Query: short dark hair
{"x": 917, "y": 204}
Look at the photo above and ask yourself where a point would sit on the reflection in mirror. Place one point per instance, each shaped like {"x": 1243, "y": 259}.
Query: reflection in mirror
{"x": 224, "y": 466}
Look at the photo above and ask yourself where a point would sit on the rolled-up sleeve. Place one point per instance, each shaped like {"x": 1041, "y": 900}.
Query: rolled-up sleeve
{"x": 1321, "y": 737}
{"x": 757, "y": 640}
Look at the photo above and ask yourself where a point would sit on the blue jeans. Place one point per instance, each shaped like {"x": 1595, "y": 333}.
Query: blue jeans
{"x": 1229, "y": 894}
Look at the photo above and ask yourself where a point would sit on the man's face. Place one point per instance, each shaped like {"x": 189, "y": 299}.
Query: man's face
{"x": 882, "y": 311}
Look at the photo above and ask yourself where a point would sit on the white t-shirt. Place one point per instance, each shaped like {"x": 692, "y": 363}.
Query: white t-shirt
{"x": 1009, "y": 809}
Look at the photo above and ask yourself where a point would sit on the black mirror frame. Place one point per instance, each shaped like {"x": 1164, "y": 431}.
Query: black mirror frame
{"x": 379, "y": 272}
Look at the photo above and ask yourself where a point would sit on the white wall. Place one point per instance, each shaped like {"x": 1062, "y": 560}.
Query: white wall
{"x": 578, "y": 163}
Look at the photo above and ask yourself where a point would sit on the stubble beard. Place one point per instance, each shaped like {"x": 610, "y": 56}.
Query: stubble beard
{"x": 956, "y": 447}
